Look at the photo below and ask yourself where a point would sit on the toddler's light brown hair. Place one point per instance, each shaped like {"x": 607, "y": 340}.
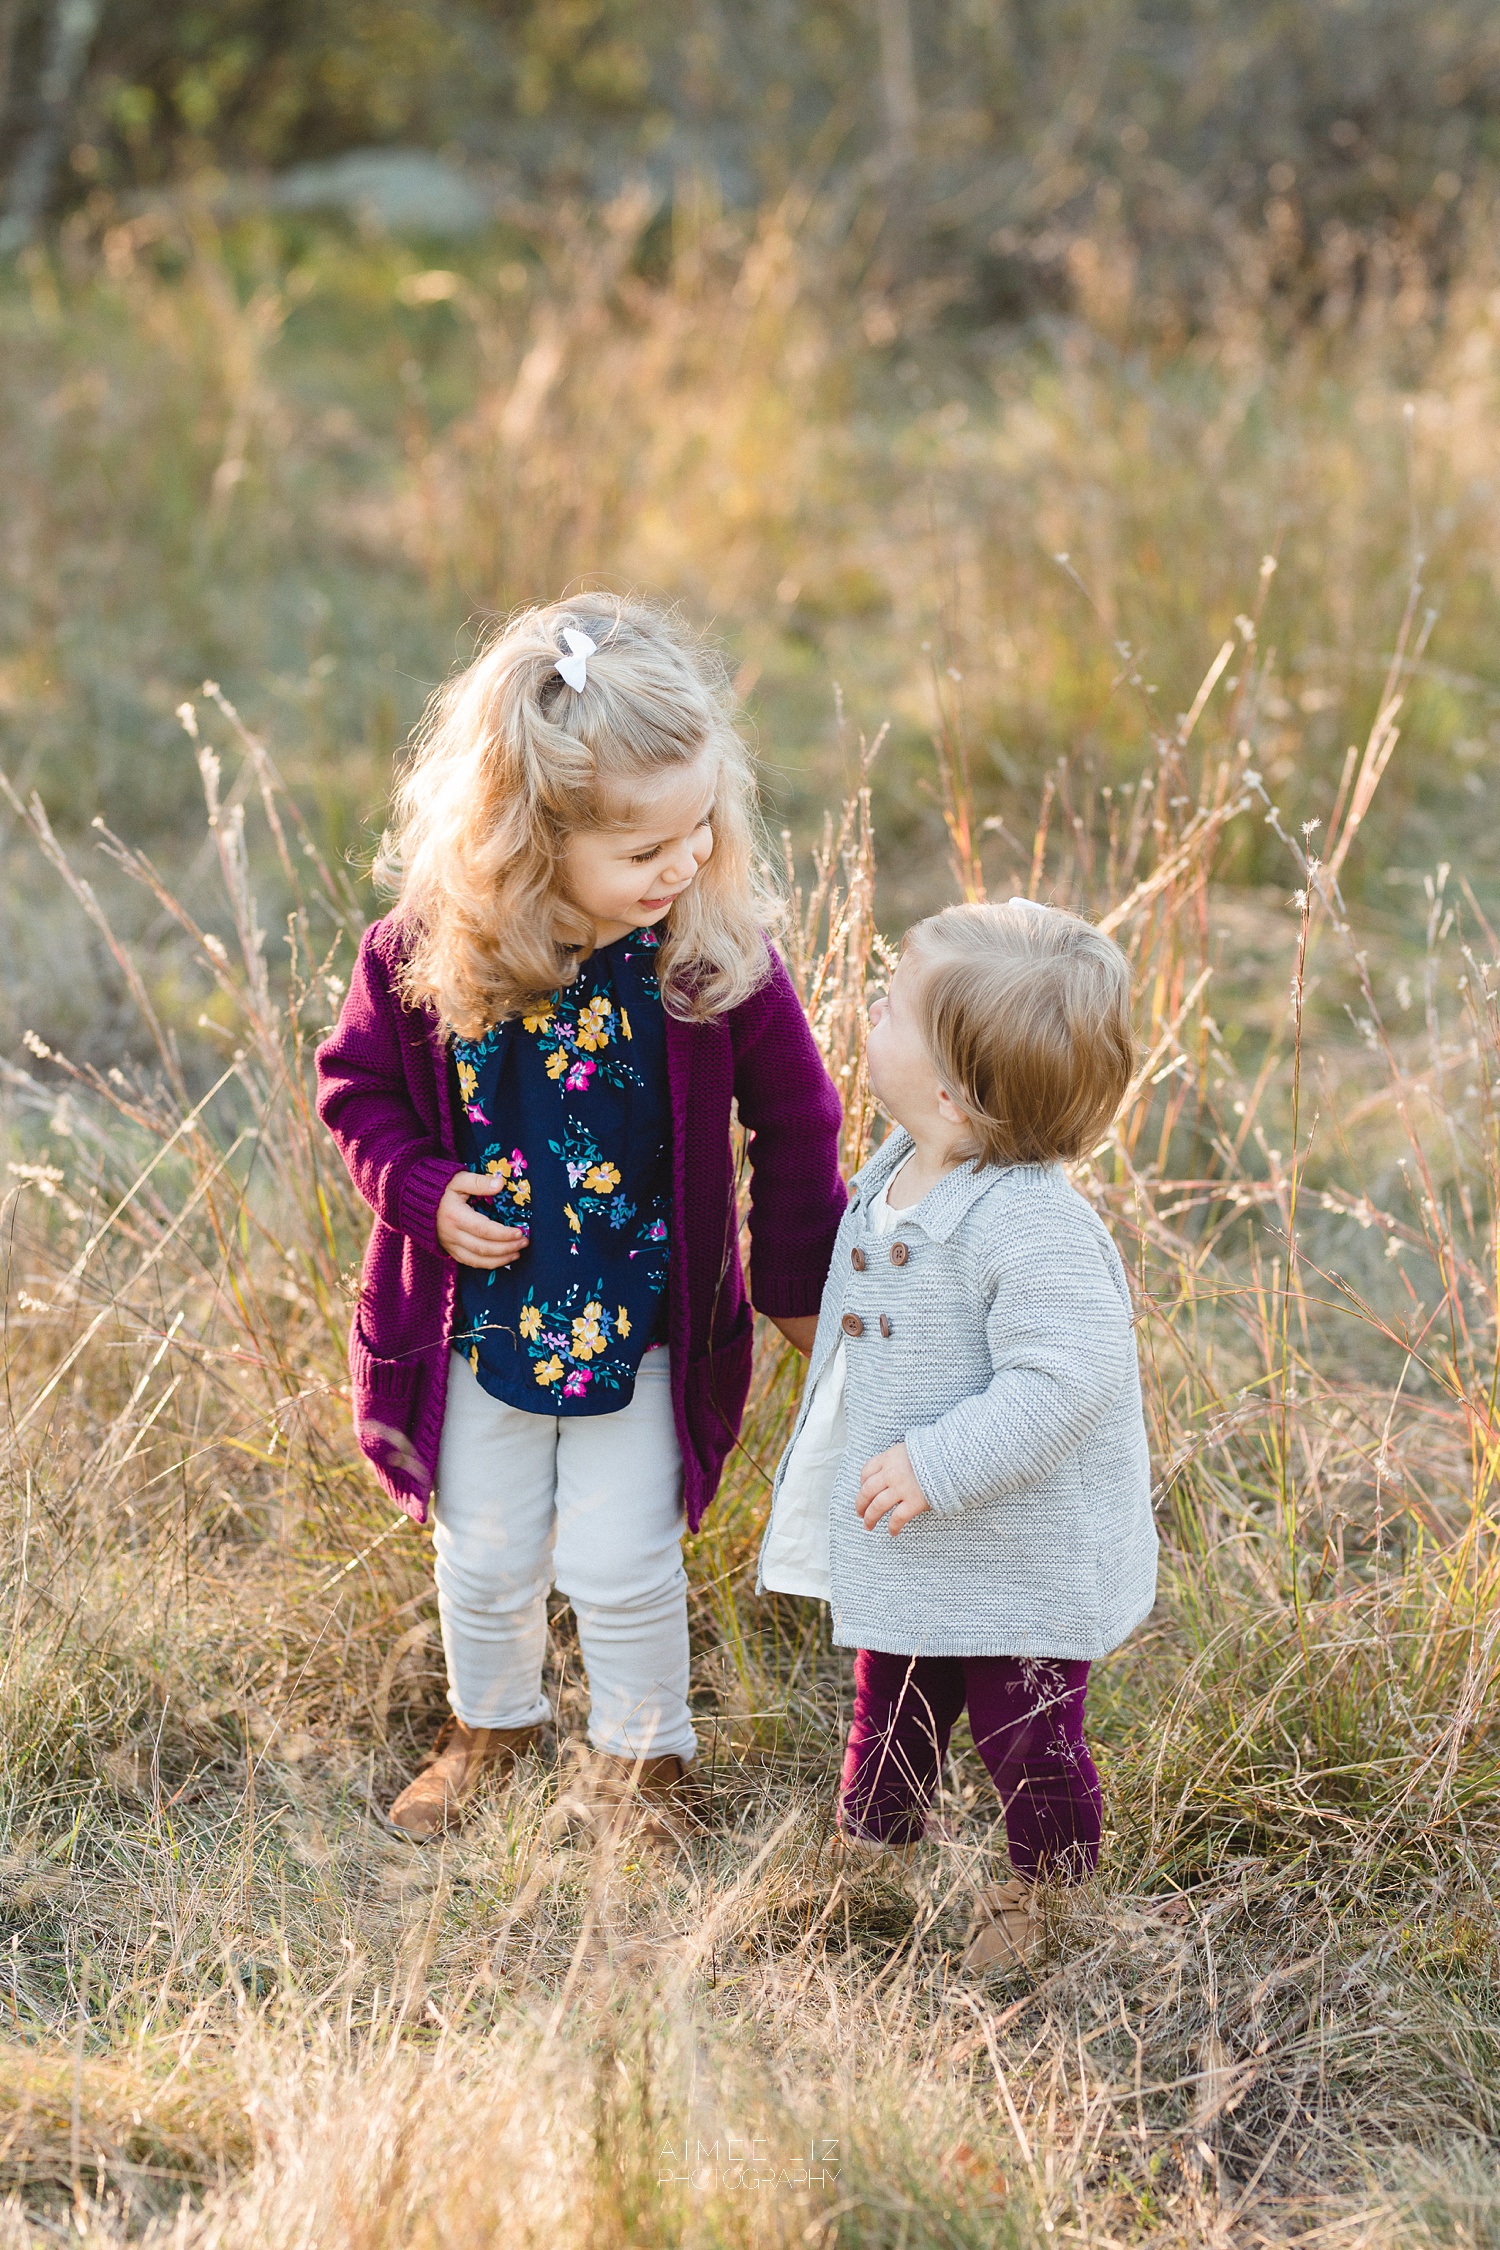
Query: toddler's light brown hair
{"x": 1026, "y": 1014}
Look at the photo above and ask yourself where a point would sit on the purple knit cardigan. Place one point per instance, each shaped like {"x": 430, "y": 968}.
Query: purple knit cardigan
{"x": 383, "y": 1094}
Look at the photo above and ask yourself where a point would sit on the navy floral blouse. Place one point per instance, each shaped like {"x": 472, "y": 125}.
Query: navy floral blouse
{"x": 570, "y": 1108}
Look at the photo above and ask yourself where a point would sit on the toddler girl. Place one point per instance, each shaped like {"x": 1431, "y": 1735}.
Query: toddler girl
{"x": 531, "y": 1083}
{"x": 968, "y": 1481}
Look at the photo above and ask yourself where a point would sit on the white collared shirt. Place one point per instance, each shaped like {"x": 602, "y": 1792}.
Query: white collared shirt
{"x": 795, "y": 1560}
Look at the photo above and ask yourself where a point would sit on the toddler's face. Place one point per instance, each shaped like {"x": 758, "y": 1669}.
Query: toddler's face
{"x": 903, "y": 1075}
{"x": 627, "y": 878}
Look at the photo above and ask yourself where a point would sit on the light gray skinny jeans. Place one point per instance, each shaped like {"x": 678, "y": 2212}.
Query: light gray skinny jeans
{"x": 592, "y": 1503}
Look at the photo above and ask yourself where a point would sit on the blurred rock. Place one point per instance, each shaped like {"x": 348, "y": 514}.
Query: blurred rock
{"x": 399, "y": 190}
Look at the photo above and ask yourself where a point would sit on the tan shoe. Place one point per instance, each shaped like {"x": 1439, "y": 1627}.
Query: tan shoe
{"x": 655, "y": 1794}
{"x": 460, "y": 1757}
{"x": 1009, "y": 1929}
{"x": 865, "y": 1855}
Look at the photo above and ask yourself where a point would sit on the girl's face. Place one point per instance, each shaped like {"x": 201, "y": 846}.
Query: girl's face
{"x": 903, "y": 1076}
{"x": 627, "y": 878}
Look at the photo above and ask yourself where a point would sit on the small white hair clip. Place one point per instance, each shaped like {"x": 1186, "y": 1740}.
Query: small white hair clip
{"x": 1032, "y": 905}
{"x": 574, "y": 667}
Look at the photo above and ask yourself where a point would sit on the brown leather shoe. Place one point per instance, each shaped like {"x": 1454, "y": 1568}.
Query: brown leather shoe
{"x": 659, "y": 1790}
{"x": 460, "y": 1756}
{"x": 1009, "y": 1930}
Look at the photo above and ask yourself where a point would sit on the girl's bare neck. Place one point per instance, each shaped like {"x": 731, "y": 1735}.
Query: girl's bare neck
{"x": 609, "y": 933}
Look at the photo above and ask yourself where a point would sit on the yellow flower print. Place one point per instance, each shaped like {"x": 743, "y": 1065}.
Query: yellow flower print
{"x": 602, "y": 1179}
{"x": 622, "y": 1321}
{"x": 572, "y": 1218}
{"x": 557, "y": 1063}
{"x": 549, "y": 1370}
{"x": 538, "y": 1020}
{"x": 593, "y": 1025}
{"x": 468, "y": 1080}
{"x": 521, "y": 1191}
{"x": 474, "y": 1357}
{"x": 625, "y": 1025}
{"x": 588, "y": 1336}
{"x": 531, "y": 1322}
{"x": 500, "y": 1164}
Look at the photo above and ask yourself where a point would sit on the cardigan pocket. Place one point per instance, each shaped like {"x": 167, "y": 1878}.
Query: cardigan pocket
{"x": 717, "y": 1385}
{"x": 384, "y": 1394}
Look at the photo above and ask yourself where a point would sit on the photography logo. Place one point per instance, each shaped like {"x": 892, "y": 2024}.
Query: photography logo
{"x": 748, "y": 2163}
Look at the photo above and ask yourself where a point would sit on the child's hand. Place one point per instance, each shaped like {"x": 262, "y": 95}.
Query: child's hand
{"x": 472, "y": 1240}
{"x": 889, "y": 1487}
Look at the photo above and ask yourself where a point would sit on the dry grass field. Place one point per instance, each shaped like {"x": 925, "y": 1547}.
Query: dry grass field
{"x": 235, "y": 2009}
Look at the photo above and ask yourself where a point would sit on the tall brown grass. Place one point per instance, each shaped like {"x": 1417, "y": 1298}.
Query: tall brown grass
{"x": 235, "y": 1997}
{"x": 297, "y": 463}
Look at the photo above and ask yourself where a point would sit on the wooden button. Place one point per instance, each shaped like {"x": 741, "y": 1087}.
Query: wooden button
{"x": 899, "y": 1253}
{"x": 852, "y": 1325}
{"x": 857, "y": 1259}
{"x": 885, "y": 1324}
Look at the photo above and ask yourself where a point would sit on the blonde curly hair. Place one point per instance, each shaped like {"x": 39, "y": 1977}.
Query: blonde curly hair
{"x": 509, "y": 761}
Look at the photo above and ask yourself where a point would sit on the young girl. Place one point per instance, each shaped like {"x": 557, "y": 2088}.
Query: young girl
{"x": 531, "y": 1083}
{"x": 968, "y": 1481}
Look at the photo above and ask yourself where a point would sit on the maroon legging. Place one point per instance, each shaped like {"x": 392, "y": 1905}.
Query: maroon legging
{"x": 1026, "y": 1714}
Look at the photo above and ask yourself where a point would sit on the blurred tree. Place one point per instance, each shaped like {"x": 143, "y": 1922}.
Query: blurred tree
{"x": 10, "y": 24}
{"x": 898, "y": 81}
{"x": 1053, "y": 140}
{"x": 68, "y": 28}
{"x": 267, "y": 82}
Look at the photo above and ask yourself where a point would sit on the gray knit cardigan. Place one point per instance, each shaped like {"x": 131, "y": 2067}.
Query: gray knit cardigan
{"x": 993, "y": 1332}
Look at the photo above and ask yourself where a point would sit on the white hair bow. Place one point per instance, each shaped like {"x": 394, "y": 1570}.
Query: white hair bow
{"x": 1032, "y": 905}
{"x": 574, "y": 666}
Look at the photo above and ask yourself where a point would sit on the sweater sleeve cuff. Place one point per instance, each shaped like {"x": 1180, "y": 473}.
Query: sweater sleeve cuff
{"x": 789, "y": 1296}
{"x": 420, "y": 1194}
{"x": 925, "y": 1456}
